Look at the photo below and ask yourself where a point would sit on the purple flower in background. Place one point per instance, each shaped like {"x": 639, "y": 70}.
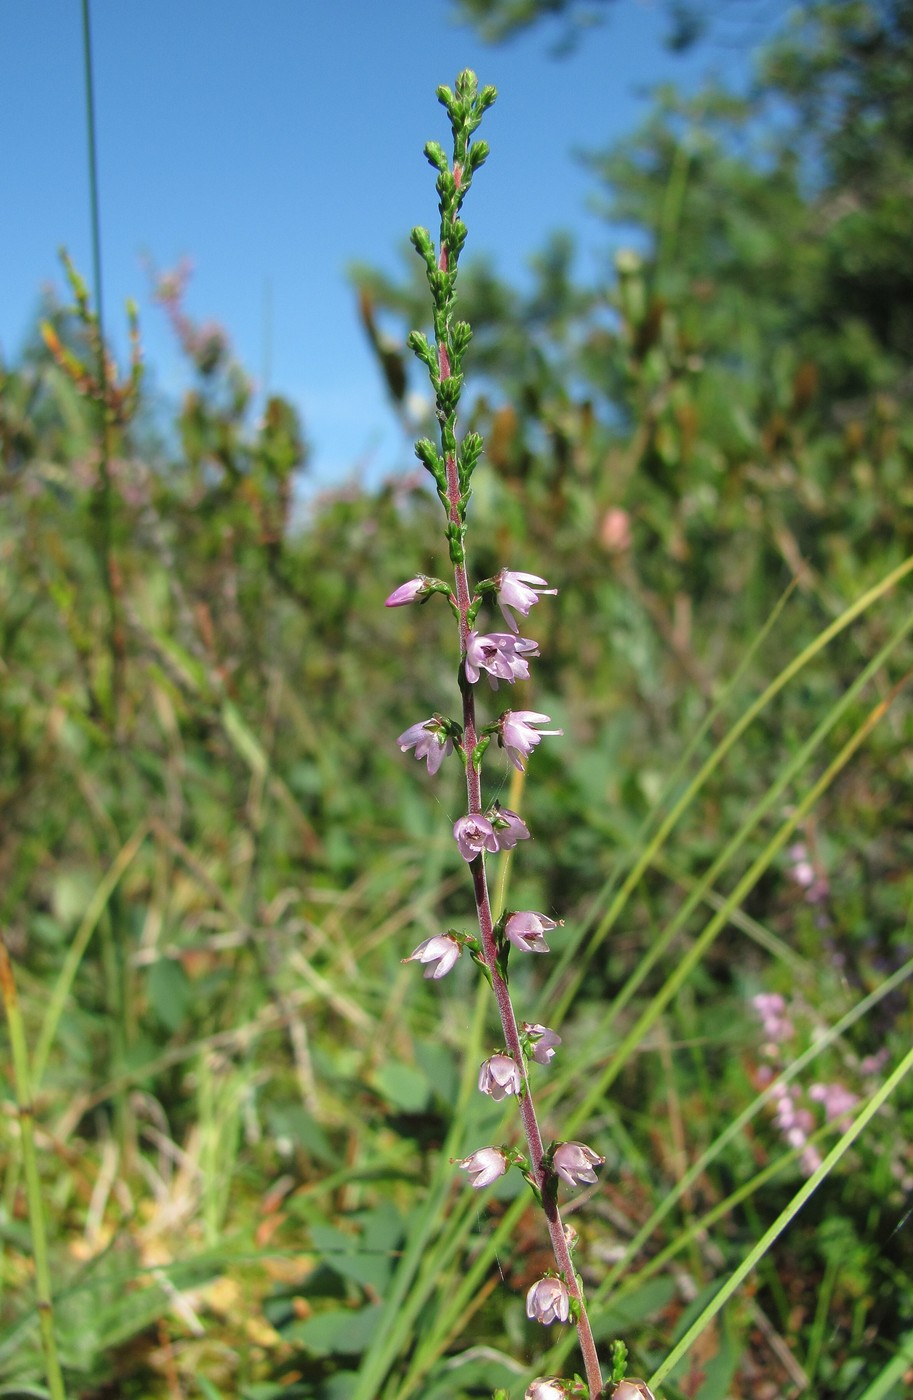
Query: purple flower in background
{"x": 814, "y": 883}
{"x": 838, "y": 1101}
{"x": 874, "y": 1064}
{"x": 474, "y": 834}
{"x": 509, "y": 828}
{"x": 410, "y": 592}
{"x": 501, "y": 654}
{"x": 547, "y": 1301}
{"x": 430, "y": 740}
{"x": 519, "y": 737}
{"x": 526, "y": 931}
{"x": 795, "y": 1125}
{"x": 439, "y": 953}
{"x": 543, "y": 1042}
{"x": 574, "y": 1162}
{"x": 775, "y": 1023}
{"x": 499, "y": 1077}
{"x": 484, "y": 1166}
{"x": 520, "y": 592}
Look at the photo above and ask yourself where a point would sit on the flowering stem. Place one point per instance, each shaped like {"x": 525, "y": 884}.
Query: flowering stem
{"x": 502, "y": 655}
{"x": 506, "y": 1012}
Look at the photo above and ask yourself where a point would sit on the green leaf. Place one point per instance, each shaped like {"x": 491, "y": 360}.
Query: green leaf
{"x": 169, "y": 992}
{"x": 367, "y": 1259}
{"x": 340, "y": 1332}
{"x": 403, "y": 1086}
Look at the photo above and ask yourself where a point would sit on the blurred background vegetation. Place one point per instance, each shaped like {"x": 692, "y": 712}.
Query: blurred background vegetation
{"x": 214, "y": 857}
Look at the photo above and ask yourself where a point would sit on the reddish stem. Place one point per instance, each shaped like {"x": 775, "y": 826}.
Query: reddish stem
{"x": 539, "y": 1171}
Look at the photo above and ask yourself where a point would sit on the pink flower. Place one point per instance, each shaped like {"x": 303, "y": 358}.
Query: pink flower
{"x": 499, "y": 1077}
{"x": 501, "y": 654}
{"x": 775, "y": 1024}
{"x": 543, "y": 1042}
{"x": 615, "y": 531}
{"x": 546, "y": 1388}
{"x": 547, "y": 1301}
{"x": 838, "y": 1101}
{"x": 474, "y": 834}
{"x": 440, "y": 953}
{"x": 574, "y": 1162}
{"x": 410, "y": 592}
{"x": 430, "y": 740}
{"x": 518, "y": 736}
{"x": 508, "y": 827}
{"x": 632, "y": 1389}
{"x": 526, "y": 931}
{"x": 520, "y": 592}
{"x": 484, "y": 1166}
{"x": 810, "y": 1160}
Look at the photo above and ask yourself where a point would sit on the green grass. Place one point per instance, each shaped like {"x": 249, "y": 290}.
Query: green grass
{"x": 246, "y": 1107}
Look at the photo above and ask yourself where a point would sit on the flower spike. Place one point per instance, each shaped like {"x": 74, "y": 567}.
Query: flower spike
{"x": 504, "y": 658}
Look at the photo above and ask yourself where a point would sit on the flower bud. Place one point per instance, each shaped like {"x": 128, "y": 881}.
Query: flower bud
{"x": 411, "y": 592}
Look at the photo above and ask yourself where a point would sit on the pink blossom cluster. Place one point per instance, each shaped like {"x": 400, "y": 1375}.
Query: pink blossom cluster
{"x": 812, "y": 881}
{"x": 794, "y": 1117}
{"x": 500, "y": 830}
{"x": 207, "y": 344}
{"x": 795, "y": 1125}
{"x": 777, "y": 1026}
{"x": 504, "y": 658}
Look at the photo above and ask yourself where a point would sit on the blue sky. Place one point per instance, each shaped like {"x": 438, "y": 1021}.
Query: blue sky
{"x": 275, "y": 144}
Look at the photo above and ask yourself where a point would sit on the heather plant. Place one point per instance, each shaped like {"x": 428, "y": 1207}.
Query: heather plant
{"x": 488, "y": 827}
{"x": 246, "y": 1132}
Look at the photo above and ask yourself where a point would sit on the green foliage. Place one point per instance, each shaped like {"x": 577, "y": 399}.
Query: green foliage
{"x": 214, "y": 858}
{"x": 497, "y": 20}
